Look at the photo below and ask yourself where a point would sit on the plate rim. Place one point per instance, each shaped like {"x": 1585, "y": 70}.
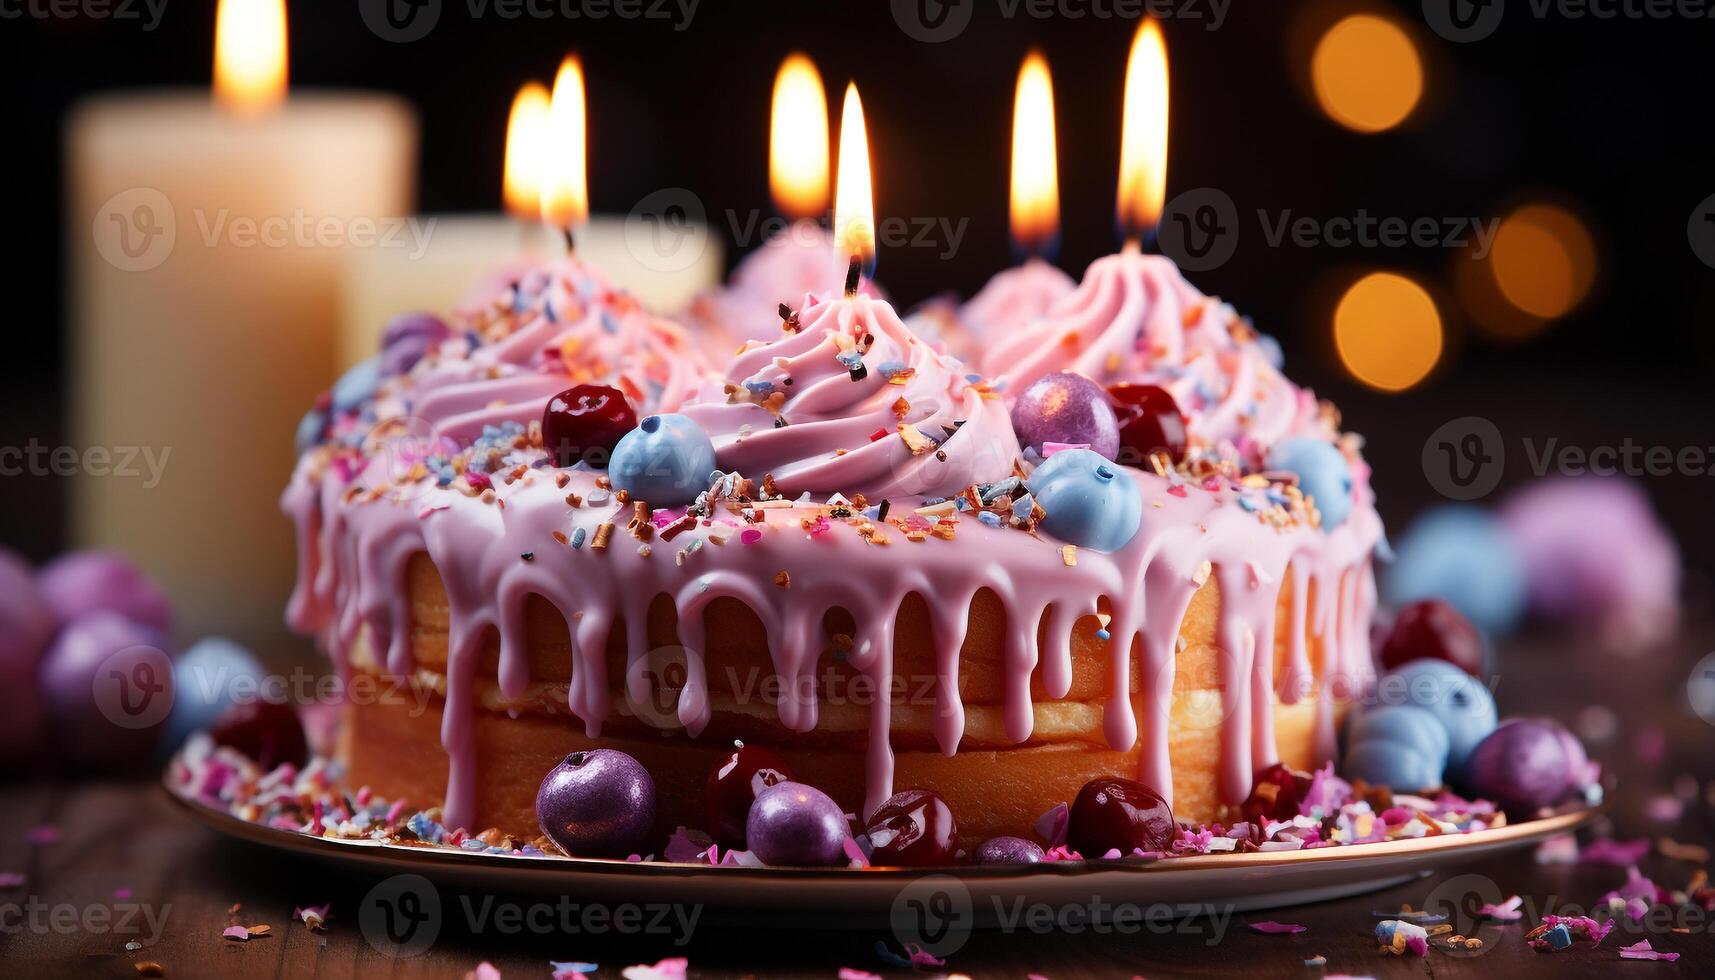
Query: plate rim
{"x": 1430, "y": 846}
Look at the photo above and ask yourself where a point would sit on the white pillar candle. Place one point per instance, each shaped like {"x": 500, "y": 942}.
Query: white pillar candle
{"x": 206, "y": 244}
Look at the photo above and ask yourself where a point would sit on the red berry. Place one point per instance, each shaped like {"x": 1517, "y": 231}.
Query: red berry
{"x": 1433, "y": 630}
{"x": 585, "y": 423}
{"x": 913, "y": 829}
{"x": 734, "y": 784}
{"x": 267, "y": 731}
{"x": 1150, "y": 422}
{"x": 1111, "y": 813}
{"x": 1276, "y": 794}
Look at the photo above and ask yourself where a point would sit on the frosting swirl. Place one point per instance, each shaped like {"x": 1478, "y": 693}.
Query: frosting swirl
{"x": 1135, "y": 319}
{"x": 849, "y": 400}
{"x": 800, "y": 260}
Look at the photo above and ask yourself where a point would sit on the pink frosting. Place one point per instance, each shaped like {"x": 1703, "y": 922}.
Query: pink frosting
{"x": 359, "y": 524}
{"x": 913, "y": 423}
{"x": 801, "y": 259}
{"x": 1015, "y": 298}
{"x": 1135, "y": 319}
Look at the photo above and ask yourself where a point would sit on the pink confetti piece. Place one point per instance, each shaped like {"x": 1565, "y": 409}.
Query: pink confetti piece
{"x": 1050, "y": 448}
{"x": 1607, "y": 850}
{"x": 1641, "y": 950}
{"x": 1051, "y": 826}
{"x": 750, "y": 535}
{"x": 1507, "y": 911}
{"x": 12, "y": 879}
{"x": 854, "y": 852}
{"x": 668, "y": 969}
{"x": 42, "y": 835}
{"x": 484, "y": 971}
{"x": 313, "y": 916}
{"x": 572, "y": 970}
{"x": 1272, "y": 928}
{"x": 237, "y": 933}
{"x": 848, "y": 973}
{"x": 921, "y": 957}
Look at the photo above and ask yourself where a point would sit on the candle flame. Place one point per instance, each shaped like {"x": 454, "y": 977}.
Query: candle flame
{"x": 565, "y": 179}
{"x": 250, "y": 54}
{"x": 1143, "y": 145}
{"x": 854, "y": 204}
{"x": 526, "y": 150}
{"x": 798, "y": 140}
{"x": 1035, "y": 173}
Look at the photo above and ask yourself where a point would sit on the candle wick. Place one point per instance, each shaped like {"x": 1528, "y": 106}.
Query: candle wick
{"x": 853, "y": 271}
{"x": 571, "y": 240}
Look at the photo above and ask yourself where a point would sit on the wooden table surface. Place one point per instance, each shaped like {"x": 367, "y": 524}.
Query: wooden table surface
{"x": 127, "y": 866}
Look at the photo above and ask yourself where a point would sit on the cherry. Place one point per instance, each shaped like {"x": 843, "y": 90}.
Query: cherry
{"x": 734, "y": 784}
{"x": 1276, "y": 794}
{"x": 913, "y": 829}
{"x": 585, "y": 423}
{"x": 1433, "y": 630}
{"x": 1112, "y": 813}
{"x": 1150, "y": 422}
{"x": 267, "y": 731}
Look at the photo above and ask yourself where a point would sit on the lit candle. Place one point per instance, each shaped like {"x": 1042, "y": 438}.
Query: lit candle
{"x": 203, "y": 306}
{"x": 799, "y": 258}
{"x": 1020, "y": 295}
{"x": 466, "y": 258}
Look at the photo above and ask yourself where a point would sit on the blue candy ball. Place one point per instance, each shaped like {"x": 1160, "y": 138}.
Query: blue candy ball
{"x": 1461, "y": 554}
{"x": 666, "y": 461}
{"x": 1400, "y": 746}
{"x": 206, "y": 680}
{"x": 1089, "y": 501}
{"x": 357, "y": 385}
{"x": 1323, "y": 473}
{"x": 310, "y": 430}
{"x": 1459, "y": 702}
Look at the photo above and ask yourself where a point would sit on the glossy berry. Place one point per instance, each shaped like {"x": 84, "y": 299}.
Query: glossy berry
{"x": 1066, "y": 408}
{"x": 1088, "y": 501}
{"x": 1522, "y": 765}
{"x": 666, "y": 461}
{"x": 1324, "y": 474}
{"x": 1008, "y": 850}
{"x": 1276, "y": 794}
{"x": 599, "y": 803}
{"x": 794, "y": 825}
{"x": 268, "y": 732}
{"x": 1433, "y": 630}
{"x": 913, "y": 829}
{"x": 733, "y": 786}
{"x": 1111, "y": 813}
{"x": 1150, "y": 422}
{"x": 584, "y": 423}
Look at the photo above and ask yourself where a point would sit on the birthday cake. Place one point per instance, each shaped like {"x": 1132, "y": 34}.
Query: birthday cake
{"x": 1132, "y": 551}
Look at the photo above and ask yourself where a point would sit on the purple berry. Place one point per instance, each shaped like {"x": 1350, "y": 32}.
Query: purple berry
{"x": 1068, "y": 408}
{"x": 407, "y": 338}
{"x": 87, "y": 581}
{"x": 794, "y": 825}
{"x": 107, "y": 683}
{"x": 1008, "y": 850}
{"x": 1522, "y": 765}
{"x": 599, "y": 803}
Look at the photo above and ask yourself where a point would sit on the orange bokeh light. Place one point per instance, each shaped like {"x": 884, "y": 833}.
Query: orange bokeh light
{"x": 1388, "y": 331}
{"x": 1367, "y": 73}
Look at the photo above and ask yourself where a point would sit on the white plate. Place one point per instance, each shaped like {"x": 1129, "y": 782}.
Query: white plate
{"x": 819, "y": 896}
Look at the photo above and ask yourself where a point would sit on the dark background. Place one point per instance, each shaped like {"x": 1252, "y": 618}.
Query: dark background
{"x": 1610, "y": 115}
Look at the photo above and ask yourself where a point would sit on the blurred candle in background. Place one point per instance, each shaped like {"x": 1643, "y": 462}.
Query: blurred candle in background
{"x": 464, "y": 257}
{"x": 206, "y": 239}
